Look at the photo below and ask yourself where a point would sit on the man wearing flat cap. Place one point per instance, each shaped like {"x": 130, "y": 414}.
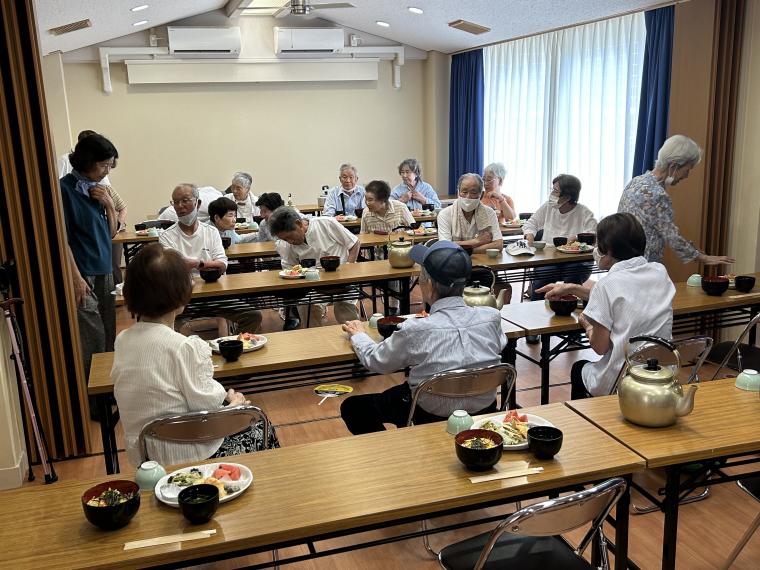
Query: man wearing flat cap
{"x": 453, "y": 336}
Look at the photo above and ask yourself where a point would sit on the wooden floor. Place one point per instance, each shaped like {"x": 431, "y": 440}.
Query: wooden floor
{"x": 708, "y": 529}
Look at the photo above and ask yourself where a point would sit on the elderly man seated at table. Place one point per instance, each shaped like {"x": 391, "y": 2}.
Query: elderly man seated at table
{"x": 207, "y": 194}
{"x": 312, "y": 238}
{"x": 201, "y": 247}
{"x": 223, "y": 213}
{"x": 240, "y": 188}
{"x": 346, "y": 197}
{"x": 468, "y": 221}
{"x": 634, "y": 298}
{"x": 453, "y": 336}
{"x": 158, "y": 372}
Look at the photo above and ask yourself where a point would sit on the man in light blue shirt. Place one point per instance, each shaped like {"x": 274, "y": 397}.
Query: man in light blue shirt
{"x": 346, "y": 197}
{"x": 453, "y": 336}
{"x": 413, "y": 191}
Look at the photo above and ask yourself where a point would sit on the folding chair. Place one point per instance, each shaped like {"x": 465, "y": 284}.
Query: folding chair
{"x": 530, "y": 539}
{"x": 750, "y": 357}
{"x": 460, "y": 384}
{"x": 751, "y": 486}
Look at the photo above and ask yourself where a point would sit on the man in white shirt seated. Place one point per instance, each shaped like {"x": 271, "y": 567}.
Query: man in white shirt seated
{"x": 201, "y": 246}
{"x": 453, "y": 336}
{"x": 468, "y": 222}
{"x": 207, "y": 194}
{"x": 240, "y": 188}
{"x": 634, "y": 298}
{"x": 346, "y": 197}
{"x": 312, "y": 238}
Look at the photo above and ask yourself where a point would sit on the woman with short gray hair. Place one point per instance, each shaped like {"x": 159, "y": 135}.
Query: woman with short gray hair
{"x": 647, "y": 199}
{"x": 413, "y": 191}
{"x": 493, "y": 177}
{"x": 240, "y": 188}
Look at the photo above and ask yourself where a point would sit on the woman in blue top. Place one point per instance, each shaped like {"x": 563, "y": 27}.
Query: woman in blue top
{"x": 413, "y": 191}
{"x": 91, "y": 222}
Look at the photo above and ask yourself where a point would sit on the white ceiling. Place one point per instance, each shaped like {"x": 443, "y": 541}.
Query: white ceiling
{"x": 430, "y": 31}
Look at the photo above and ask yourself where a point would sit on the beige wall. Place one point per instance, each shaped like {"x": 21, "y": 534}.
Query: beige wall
{"x": 57, "y": 104}
{"x": 291, "y": 137}
{"x": 744, "y": 232}
{"x": 437, "y": 81}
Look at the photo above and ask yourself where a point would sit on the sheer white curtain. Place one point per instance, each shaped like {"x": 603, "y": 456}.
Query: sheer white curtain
{"x": 566, "y": 102}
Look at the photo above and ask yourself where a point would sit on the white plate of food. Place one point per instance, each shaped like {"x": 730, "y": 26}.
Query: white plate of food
{"x": 251, "y": 341}
{"x": 295, "y": 272}
{"x": 575, "y": 247}
{"x": 232, "y": 479}
{"x": 513, "y": 427}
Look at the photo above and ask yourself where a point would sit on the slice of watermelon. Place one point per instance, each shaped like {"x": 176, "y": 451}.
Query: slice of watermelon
{"x": 233, "y": 470}
{"x": 220, "y": 474}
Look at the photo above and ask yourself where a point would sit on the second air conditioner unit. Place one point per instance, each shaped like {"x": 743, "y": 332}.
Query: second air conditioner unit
{"x": 203, "y": 42}
{"x": 304, "y": 41}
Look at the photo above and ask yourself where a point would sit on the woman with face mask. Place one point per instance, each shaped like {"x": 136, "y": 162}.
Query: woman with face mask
{"x": 646, "y": 198}
{"x": 560, "y": 216}
{"x": 467, "y": 221}
{"x": 634, "y": 298}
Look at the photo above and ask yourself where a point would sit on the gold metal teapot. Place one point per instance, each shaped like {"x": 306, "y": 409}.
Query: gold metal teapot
{"x": 477, "y": 295}
{"x": 399, "y": 253}
{"x": 649, "y": 394}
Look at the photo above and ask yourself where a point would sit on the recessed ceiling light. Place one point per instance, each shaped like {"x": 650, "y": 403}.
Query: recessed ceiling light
{"x": 414, "y": 10}
{"x": 140, "y": 8}
{"x": 140, "y": 23}
{"x": 383, "y": 24}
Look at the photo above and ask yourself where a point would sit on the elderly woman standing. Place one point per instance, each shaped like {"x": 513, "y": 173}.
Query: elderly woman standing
{"x": 413, "y": 191}
{"x": 382, "y": 213}
{"x": 493, "y": 177}
{"x": 467, "y": 221}
{"x": 244, "y": 198}
{"x": 158, "y": 372}
{"x": 646, "y": 198}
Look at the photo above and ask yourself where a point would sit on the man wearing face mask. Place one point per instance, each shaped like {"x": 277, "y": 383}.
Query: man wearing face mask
{"x": 468, "y": 222}
{"x": 200, "y": 244}
{"x": 634, "y": 298}
{"x": 646, "y": 198}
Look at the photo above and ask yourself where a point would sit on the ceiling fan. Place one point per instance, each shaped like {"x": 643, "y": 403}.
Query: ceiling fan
{"x": 299, "y": 7}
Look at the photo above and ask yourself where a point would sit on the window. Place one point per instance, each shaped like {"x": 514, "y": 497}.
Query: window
{"x": 566, "y": 102}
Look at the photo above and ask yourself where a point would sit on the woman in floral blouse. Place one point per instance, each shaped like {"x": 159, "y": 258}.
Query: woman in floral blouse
{"x": 646, "y": 198}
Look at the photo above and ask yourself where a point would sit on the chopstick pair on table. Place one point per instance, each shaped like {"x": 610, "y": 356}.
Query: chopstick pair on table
{"x": 508, "y": 471}
{"x": 169, "y": 539}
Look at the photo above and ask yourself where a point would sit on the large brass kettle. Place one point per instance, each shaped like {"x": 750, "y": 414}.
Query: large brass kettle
{"x": 399, "y": 253}
{"x": 477, "y": 295}
{"x": 649, "y": 394}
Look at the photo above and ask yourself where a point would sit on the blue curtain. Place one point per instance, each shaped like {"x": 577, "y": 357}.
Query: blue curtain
{"x": 465, "y": 116}
{"x": 655, "y": 88}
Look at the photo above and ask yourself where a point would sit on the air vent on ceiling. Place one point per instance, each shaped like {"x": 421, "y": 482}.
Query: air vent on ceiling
{"x": 72, "y": 27}
{"x": 469, "y": 27}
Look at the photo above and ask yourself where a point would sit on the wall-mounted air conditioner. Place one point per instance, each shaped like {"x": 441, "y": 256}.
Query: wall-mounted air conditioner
{"x": 304, "y": 41}
{"x": 201, "y": 42}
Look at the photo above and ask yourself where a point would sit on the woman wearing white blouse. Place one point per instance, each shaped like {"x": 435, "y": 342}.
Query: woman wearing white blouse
{"x": 159, "y": 372}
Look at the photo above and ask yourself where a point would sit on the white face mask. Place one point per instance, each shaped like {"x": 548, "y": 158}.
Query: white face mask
{"x": 597, "y": 255}
{"x": 468, "y": 204}
{"x": 188, "y": 219}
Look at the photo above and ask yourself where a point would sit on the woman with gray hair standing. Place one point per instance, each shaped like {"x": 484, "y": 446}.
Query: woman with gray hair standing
{"x": 647, "y": 199}
{"x": 245, "y": 200}
{"x": 493, "y": 177}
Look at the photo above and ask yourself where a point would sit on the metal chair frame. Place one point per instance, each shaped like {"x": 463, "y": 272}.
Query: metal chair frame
{"x": 481, "y": 380}
{"x": 754, "y": 525}
{"x": 736, "y": 346}
{"x": 558, "y": 516}
{"x": 195, "y": 427}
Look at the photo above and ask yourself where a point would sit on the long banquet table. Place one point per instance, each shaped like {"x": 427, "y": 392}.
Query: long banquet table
{"x": 345, "y": 486}
{"x": 297, "y": 358}
{"x": 703, "y": 435}
{"x": 693, "y": 310}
